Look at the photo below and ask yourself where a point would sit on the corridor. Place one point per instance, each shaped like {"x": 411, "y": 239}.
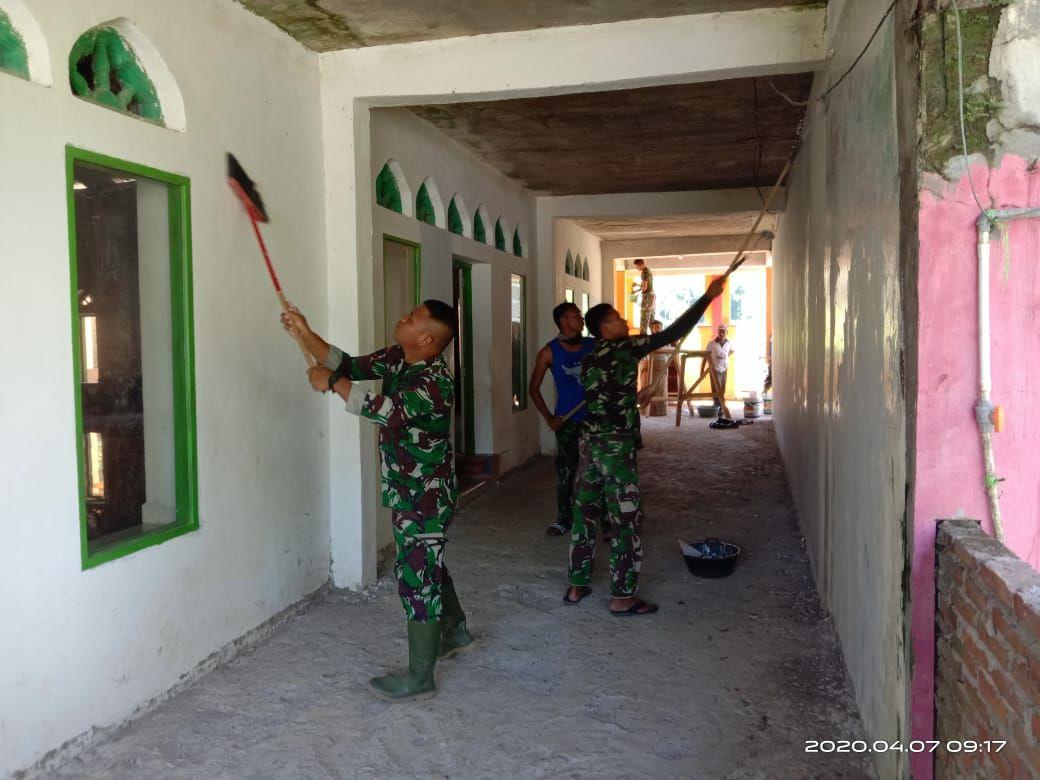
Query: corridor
{"x": 728, "y": 680}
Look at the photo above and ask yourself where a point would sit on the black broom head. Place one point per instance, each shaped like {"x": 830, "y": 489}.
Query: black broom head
{"x": 246, "y": 190}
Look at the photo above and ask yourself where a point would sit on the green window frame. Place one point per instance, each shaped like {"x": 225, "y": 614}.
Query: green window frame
{"x": 185, "y": 457}
{"x": 500, "y": 236}
{"x": 14, "y": 57}
{"x": 479, "y": 229}
{"x": 388, "y": 193}
{"x": 518, "y": 338}
{"x": 518, "y": 245}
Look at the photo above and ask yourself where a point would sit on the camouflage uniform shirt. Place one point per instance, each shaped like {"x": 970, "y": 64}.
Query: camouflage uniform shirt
{"x": 609, "y": 376}
{"x": 413, "y": 411}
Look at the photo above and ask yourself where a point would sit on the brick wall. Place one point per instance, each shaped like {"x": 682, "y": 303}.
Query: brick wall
{"x": 987, "y": 670}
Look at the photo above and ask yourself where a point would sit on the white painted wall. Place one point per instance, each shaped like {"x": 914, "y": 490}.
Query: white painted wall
{"x": 423, "y": 153}
{"x": 840, "y": 410}
{"x": 83, "y": 649}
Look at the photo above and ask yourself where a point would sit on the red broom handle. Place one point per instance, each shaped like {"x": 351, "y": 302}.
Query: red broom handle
{"x": 311, "y": 361}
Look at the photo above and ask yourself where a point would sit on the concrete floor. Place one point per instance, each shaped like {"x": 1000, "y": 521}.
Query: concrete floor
{"x": 728, "y": 680}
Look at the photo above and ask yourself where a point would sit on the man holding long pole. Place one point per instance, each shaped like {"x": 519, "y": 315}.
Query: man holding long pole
{"x": 413, "y": 411}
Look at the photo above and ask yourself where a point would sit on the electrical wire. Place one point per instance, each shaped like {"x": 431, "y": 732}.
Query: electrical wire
{"x": 855, "y": 62}
{"x": 960, "y": 103}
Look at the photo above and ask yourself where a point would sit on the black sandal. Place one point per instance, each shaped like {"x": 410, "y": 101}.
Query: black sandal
{"x": 639, "y": 608}
{"x": 583, "y": 591}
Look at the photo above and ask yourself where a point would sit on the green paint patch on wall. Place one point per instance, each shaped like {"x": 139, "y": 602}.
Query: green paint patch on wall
{"x": 14, "y": 58}
{"x": 424, "y": 207}
{"x": 941, "y": 137}
{"x": 388, "y": 194}
{"x": 500, "y": 237}
{"x": 104, "y": 70}
{"x": 479, "y": 229}
{"x": 454, "y": 219}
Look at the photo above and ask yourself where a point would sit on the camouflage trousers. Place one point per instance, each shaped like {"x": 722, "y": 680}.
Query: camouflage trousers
{"x": 646, "y": 312}
{"x": 566, "y": 463}
{"x": 420, "y": 565}
{"x": 607, "y": 483}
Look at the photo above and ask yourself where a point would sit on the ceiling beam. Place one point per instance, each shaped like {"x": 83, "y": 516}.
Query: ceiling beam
{"x": 620, "y": 55}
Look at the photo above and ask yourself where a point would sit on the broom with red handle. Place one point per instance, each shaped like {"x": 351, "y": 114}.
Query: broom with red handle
{"x": 245, "y": 189}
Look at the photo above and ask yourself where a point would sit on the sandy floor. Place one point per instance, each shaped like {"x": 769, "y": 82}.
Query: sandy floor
{"x": 728, "y": 680}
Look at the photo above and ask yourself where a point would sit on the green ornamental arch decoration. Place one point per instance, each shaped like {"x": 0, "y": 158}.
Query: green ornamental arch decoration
{"x": 454, "y": 219}
{"x": 424, "y": 206}
{"x": 518, "y": 245}
{"x": 103, "y": 69}
{"x": 388, "y": 194}
{"x": 568, "y": 264}
{"x": 585, "y": 269}
{"x": 14, "y": 58}
{"x": 500, "y": 236}
{"x": 479, "y": 230}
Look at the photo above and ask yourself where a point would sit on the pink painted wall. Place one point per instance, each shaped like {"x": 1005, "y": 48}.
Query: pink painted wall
{"x": 949, "y": 479}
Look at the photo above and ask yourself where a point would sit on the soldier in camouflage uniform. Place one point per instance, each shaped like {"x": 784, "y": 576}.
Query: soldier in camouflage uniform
{"x": 608, "y": 480}
{"x": 647, "y": 297}
{"x": 413, "y": 411}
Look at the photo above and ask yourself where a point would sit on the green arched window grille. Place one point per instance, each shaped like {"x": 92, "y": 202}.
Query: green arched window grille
{"x": 454, "y": 219}
{"x": 568, "y": 264}
{"x": 13, "y": 55}
{"x": 577, "y": 266}
{"x": 104, "y": 69}
{"x": 479, "y": 229}
{"x": 585, "y": 269}
{"x": 388, "y": 194}
{"x": 424, "y": 206}
{"x": 518, "y": 245}
{"x": 500, "y": 237}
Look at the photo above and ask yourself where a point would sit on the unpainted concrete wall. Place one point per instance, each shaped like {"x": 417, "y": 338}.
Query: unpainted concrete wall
{"x": 840, "y": 411}
{"x": 85, "y": 648}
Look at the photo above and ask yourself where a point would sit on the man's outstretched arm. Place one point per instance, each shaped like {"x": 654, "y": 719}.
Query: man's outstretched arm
{"x": 679, "y": 329}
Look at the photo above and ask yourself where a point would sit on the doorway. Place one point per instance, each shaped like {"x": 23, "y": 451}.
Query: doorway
{"x": 401, "y": 270}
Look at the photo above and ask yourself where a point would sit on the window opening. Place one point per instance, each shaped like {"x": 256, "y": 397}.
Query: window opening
{"x": 388, "y": 193}
{"x": 424, "y": 206}
{"x": 14, "y": 57}
{"x": 479, "y": 230}
{"x": 518, "y": 246}
{"x": 104, "y": 69}
{"x": 500, "y": 237}
{"x": 454, "y": 219}
{"x": 568, "y": 264}
{"x": 133, "y": 357}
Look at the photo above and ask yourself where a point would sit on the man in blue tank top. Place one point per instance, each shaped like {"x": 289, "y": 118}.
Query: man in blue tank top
{"x": 563, "y": 356}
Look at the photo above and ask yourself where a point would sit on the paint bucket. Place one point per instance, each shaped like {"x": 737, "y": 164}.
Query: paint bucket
{"x": 752, "y": 407}
{"x": 767, "y": 404}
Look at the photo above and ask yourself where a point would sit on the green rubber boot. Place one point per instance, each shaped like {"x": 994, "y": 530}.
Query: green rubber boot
{"x": 417, "y": 681}
{"x": 454, "y": 634}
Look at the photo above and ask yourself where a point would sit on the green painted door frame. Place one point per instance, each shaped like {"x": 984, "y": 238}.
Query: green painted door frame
{"x": 417, "y": 262}
{"x": 468, "y": 413}
{"x": 183, "y": 351}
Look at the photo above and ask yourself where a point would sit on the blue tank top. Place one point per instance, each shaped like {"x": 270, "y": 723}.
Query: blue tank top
{"x": 566, "y": 371}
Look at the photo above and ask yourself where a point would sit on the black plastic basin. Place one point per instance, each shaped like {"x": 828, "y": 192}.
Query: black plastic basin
{"x": 710, "y": 557}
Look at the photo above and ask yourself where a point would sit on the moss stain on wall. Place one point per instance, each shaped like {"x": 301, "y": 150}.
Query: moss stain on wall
{"x": 941, "y": 139}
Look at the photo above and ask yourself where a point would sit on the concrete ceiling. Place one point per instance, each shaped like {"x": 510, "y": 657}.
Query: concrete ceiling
{"x": 328, "y": 25}
{"x": 709, "y": 135}
{"x": 643, "y": 228}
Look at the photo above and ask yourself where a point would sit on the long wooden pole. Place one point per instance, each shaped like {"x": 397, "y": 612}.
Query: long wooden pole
{"x": 739, "y": 260}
